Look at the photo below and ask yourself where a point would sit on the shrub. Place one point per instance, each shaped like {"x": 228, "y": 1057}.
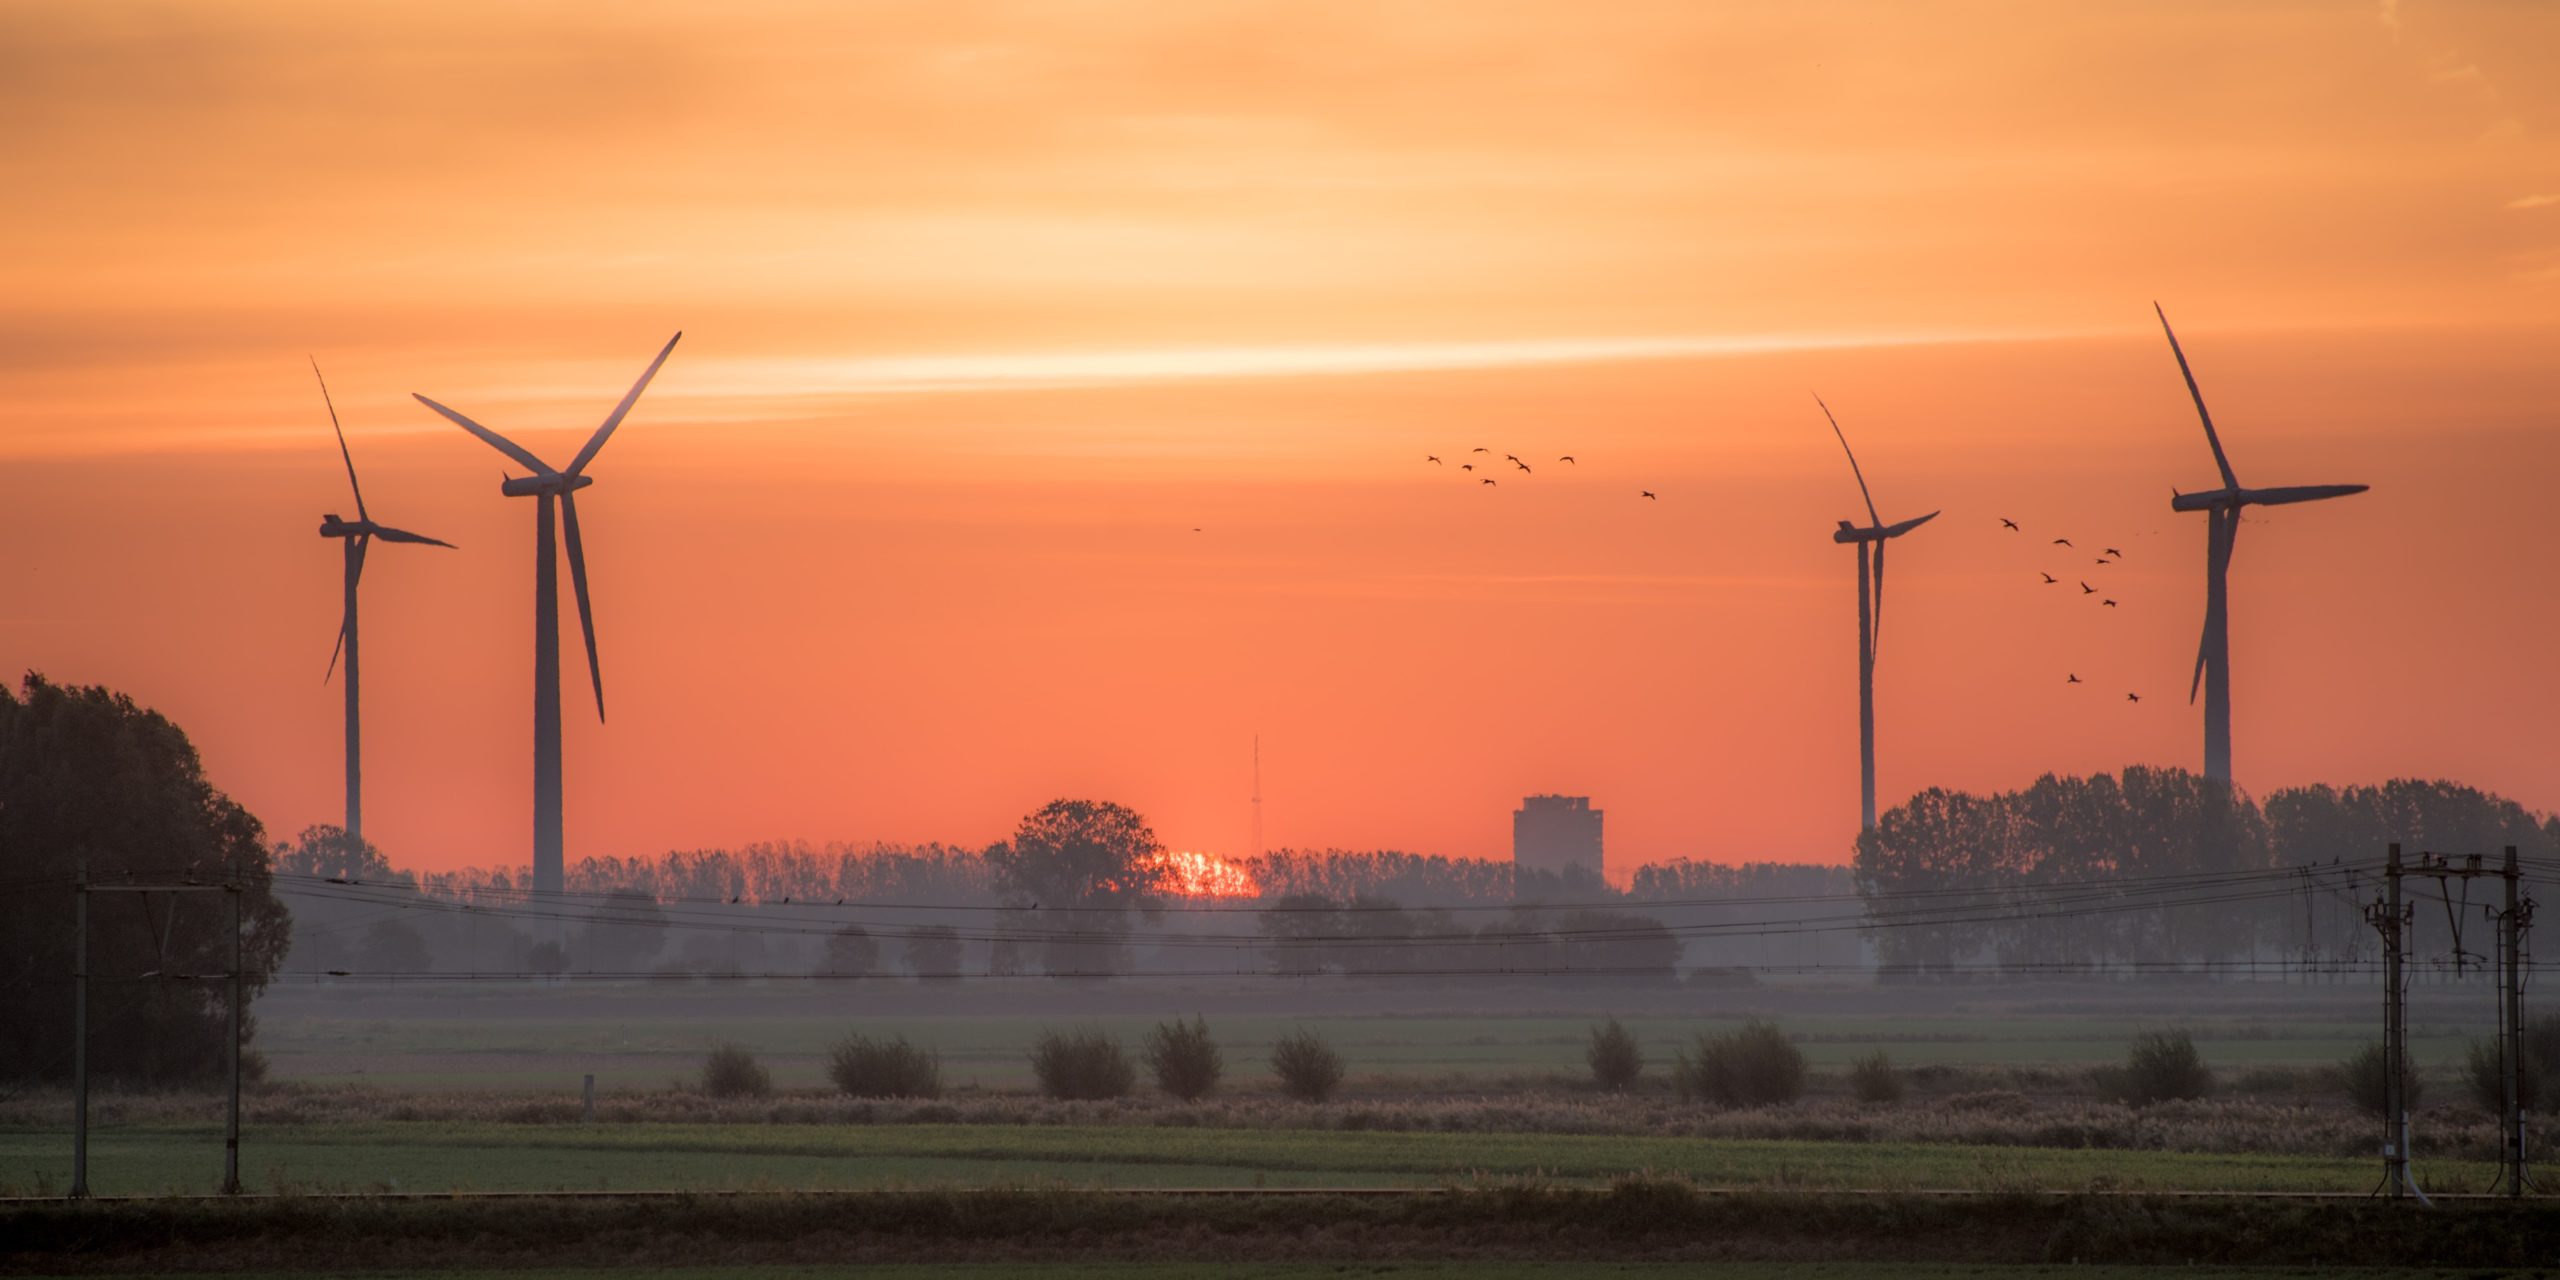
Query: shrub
{"x": 2162, "y": 1066}
{"x": 1186, "y": 1062}
{"x": 1308, "y": 1068}
{"x": 2361, "y": 1077}
{"x": 893, "y": 1068}
{"x": 1615, "y": 1058}
{"x": 1075, "y": 1065}
{"x": 1752, "y": 1065}
{"x": 732, "y": 1072}
{"x": 2541, "y": 1065}
{"x": 1872, "y": 1079}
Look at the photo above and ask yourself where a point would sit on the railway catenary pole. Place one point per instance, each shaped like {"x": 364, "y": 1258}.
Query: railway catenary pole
{"x": 2512, "y": 923}
{"x": 80, "y": 1035}
{"x": 2391, "y": 920}
{"x": 231, "y": 1126}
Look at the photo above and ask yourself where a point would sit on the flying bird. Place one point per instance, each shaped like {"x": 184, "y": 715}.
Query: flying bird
{"x": 2104, "y": 561}
{"x": 2108, "y": 603}
{"x": 1195, "y": 528}
{"x": 1466, "y": 466}
{"x": 1568, "y": 458}
{"x": 2073, "y": 680}
{"x": 2009, "y": 524}
{"x": 1511, "y": 457}
{"x": 2113, "y": 552}
{"x": 1482, "y": 449}
{"x": 2133, "y": 697}
{"x": 2062, "y": 542}
{"x": 2087, "y": 590}
{"x": 2049, "y": 579}
{"x": 1488, "y": 480}
{"x": 1518, "y": 463}
{"x": 1648, "y": 493}
{"x": 1434, "y": 458}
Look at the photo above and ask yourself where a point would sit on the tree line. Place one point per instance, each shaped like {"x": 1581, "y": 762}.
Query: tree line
{"x": 1957, "y": 881}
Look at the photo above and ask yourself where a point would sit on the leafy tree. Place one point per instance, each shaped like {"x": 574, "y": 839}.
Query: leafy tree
{"x": 851, "y": 952}
{"x": 88, "y": 777}
{"x": 931, "y": 951}
{"x": 1094, "y": 864}
{"x": 393, "y": 946}
{"x": 1296, "y": 927}
{"x": 622, "y": 934}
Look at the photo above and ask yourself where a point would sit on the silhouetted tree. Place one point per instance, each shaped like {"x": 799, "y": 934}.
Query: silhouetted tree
{"x": 851, "y": 952}
{"x": 88, "y": 777}
{"x": 1090, "y": 865}
{"x": 931, "y": 951}
{"x": 622, "y": 934}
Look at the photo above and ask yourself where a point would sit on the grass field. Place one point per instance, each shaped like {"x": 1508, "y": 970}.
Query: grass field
{"x": 644, "y": 1038}
{"x": 447, "y": 1156}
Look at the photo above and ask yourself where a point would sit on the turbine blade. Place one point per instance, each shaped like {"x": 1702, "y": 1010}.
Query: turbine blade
{"x": 496, "y": 441}
{"x": 364, "y": 543}
{"x": 1872, "y": 517}
{"x": 334, "y": 651}
{"x": 578, "y": 577}
{"x": 342, "y": 440}
{"x": 1876, "y": 640}
{"x": 2202, "y": 643}
{"x": 2229, "y": 481}
{"x": 388, "y": 534}
{"x": 595, "y": 442}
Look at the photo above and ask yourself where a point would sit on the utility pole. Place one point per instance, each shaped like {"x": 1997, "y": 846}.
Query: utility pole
{"x": 80, "y": 1036}
{"x": 231, "y": 888}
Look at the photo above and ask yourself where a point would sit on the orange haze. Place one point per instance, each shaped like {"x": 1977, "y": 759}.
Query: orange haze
{"x": 1057, "y": 383}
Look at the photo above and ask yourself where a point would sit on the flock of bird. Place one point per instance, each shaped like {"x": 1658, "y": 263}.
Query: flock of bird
{"x": 2107, "y": 556}
{"x": 1514, "y": 459}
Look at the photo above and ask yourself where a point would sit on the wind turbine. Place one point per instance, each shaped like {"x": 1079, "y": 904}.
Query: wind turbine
{"x": 1870, "y": 542}
{"x": 549, "y": 484}
{"x": 2222, "y": 507}
{"x": 354, "y": 538}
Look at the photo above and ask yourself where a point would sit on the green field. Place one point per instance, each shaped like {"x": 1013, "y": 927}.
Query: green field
{"x": 640, "y": 1039}
{"x": 444, "y": 1156}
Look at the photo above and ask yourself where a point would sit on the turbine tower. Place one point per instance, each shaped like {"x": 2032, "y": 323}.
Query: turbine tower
{"x": 548, "y": 484}
{"x": 354, "y": 538}
{"x": 1870, "y": 542}
{"x": 2222, "y": 508}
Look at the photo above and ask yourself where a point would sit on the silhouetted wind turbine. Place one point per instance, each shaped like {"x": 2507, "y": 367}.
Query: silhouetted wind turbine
{"x": 2222, "y": 508}
{"x": 1870, "y": 543}
{"x": 354, "y": 539}
{"x": 547, "y": 484}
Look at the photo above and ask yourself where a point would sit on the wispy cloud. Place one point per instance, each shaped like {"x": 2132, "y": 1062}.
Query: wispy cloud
{"x": 893, "y": 375}
{"x": 2534, "y": 202}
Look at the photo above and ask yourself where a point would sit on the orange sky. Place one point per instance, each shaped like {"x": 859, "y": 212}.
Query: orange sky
{"x": 988, "y": 306}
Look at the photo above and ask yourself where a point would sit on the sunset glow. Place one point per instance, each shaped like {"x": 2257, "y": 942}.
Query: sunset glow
{"x": 1058, "y": 382}
{"x": 1191, "y": 875}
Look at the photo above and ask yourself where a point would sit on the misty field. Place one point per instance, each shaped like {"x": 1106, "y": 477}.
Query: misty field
{"x": 446, "y": 1156}
{"x": 457, "y": 1037}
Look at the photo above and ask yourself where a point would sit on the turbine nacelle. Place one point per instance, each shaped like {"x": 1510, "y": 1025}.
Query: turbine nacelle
{"x": 1848, "y": 532}
{"x": 532, "y": 486}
